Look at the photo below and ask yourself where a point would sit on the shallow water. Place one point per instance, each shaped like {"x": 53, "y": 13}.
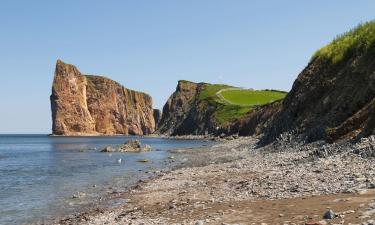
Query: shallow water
{"x": 40, "y": 174}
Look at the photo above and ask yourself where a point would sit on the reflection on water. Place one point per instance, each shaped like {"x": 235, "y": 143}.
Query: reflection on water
{"x": 40, "y": 174}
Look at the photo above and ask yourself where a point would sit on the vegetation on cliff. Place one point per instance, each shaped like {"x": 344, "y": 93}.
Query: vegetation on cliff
{"x": 332, "y": 98}
{"x": 200, "y": 108}
{"x": 249, "y": 97}
{"x": 358, "y": 39}
{"x": 232, "y": 103}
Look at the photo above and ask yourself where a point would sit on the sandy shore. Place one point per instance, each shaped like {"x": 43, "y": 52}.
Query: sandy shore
{"x": 237, "y": 183}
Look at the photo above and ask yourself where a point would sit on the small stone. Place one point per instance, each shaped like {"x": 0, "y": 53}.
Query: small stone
{"x": 329, "y": 215}
{"x": 79, "y": 195}
{"x": 199, "y": 222}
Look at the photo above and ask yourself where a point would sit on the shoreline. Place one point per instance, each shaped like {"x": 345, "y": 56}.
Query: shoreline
{"x": 162, "y": 136}
{"x": 237, "y": 183}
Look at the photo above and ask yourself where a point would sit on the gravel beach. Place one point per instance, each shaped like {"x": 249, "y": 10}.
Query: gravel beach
{"x": 237, "y": 182}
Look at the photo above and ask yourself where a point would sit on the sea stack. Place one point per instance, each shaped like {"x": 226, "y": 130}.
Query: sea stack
{"x": 95, "y": 105}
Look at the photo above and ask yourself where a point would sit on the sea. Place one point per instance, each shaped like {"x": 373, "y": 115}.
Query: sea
{"x": 44, "y": 177}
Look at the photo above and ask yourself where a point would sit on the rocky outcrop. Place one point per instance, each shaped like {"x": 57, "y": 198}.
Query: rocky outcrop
{"x": 157, "y": 117}
{"x": 95, "y": 105}
{"x": 185, "y": 113}
{"x": 333, "y": 98}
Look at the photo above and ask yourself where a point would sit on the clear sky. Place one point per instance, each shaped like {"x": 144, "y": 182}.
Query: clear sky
{"x": 150, "y": 45}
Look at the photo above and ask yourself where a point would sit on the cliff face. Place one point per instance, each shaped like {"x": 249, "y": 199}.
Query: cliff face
{"x": 184, "y": 113}
{"x": 157, "y": 117}
{"x": 333, "y": 98}
{"x": 94, "y": 105}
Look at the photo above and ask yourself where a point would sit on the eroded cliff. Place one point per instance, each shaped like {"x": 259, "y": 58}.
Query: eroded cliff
{"x": 333, "y": 98}
{"x": 95, "y": 105}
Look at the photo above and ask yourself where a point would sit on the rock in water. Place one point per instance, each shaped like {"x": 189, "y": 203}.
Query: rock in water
{"x": 146, "y": 148}
{"x": 130, "y": 146}
{"x": 94, "y": 105}
{"x": 108, "y": 149}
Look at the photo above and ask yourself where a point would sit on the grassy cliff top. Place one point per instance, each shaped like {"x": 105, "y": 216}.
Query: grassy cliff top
{"x": 232, "y": 103}
{"x": 357, "y": 40}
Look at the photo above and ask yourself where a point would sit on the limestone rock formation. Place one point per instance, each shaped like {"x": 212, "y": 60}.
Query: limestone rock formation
{"x": 95, "y": 105}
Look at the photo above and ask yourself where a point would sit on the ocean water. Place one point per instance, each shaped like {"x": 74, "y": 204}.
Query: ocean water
{"x": 40, "y": 174}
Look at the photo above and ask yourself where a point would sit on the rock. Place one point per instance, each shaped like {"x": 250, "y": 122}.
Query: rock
{"x": 199, "y": 222}
{"x": 79, "y": 195}
{"x": 329, "y": 215}
{"x": 92, "y": 105}
{"x": 108, "y": 149}
{"x": 130, "y": 146}
{"x": 146, "y": 148}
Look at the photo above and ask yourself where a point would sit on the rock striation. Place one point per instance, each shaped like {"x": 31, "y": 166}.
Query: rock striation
{"x": 95, "y": 105}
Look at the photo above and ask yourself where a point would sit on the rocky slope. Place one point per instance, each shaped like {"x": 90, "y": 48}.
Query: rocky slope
{"x": 94, "y": 105}
{"x": 333, "y": 97}
{"x": 179, "y": 110}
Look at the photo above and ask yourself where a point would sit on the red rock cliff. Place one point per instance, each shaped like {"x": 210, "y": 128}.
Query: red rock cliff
{"x": 94, "y": 105}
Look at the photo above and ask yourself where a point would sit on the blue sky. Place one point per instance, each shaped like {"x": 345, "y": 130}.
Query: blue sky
{"x": 150, "y": 45}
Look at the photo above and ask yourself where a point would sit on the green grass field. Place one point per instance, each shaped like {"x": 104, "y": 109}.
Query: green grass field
{"x": 251, "y": 97}
{"x": 233, "y": 104}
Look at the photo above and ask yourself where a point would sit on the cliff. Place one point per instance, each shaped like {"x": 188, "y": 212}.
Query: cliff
{"x": 94, "y": 105}
{"x": 202, "y": 108}
{"x": 178, "y": 110}
{"x": 333, "y": 98}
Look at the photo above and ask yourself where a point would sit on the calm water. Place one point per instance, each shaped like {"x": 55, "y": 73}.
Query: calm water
{"x": 40, "y": 174}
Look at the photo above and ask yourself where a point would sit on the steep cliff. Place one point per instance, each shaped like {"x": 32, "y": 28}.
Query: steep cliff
{"x": 201, "y": 108}
{"x": 178, "y": 108}
{"x": 94, "y": 105}
{"x": 333, "y": 98}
